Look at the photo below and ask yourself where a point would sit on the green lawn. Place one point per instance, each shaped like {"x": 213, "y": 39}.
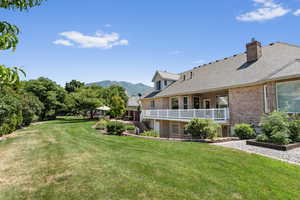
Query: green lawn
{"x": 67, "y": 159}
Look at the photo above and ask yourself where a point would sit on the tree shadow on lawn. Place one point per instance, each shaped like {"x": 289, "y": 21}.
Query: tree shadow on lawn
{"x": 62, "y": 120}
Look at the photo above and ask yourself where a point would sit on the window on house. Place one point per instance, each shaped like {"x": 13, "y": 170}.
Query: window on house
{"x": 158, "y": 85}
{"x": 152, "y": 104}
{"x": 166, "y": 82}
{"x": 222, "y": 102}
{"x": 196, "y": 102}
{"x": 174, "y": 103}
{"x": 191, "y": 75}
{"x": 288, "y": 96}
{"x": 175, "y": 128}
{"x": 184, "y": 77}
{"x": 185, "y": 102}
{"x": 206, "y": 103}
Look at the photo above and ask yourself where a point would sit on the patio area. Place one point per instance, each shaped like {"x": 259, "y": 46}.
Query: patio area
{"x": 292, "y": 156}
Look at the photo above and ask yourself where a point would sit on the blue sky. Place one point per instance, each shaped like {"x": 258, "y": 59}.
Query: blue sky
{"x": 129, "y": 40}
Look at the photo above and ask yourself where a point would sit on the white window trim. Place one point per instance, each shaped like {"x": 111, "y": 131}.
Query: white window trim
{"x": 171, "y": 102}
{"x": 188, "y": 104}
{"x": 217, "y": 96}
{"x": 266, "y": 104}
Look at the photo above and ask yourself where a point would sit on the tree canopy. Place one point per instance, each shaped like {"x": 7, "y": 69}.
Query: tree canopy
{"x": 50, "y": 94}
{"x": 73, "y": 85}
{"x": 86, "y": 100}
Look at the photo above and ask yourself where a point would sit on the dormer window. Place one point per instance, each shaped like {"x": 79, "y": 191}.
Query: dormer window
{"x": 158, "y": 85}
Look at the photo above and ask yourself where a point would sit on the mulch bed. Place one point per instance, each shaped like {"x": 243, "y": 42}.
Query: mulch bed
{"x": 274, "y": 146}
{"x": 219, "y": 140}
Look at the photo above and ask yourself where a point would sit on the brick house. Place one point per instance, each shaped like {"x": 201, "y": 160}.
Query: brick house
{"x": 238, "y": 89}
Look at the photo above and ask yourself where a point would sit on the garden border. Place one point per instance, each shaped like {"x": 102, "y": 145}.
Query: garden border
{"x": 183, "y": 139}
{"x": 274, "y": 146}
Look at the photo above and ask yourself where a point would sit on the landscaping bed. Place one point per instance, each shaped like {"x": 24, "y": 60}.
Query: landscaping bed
{"x": 217, "y": 140}
{"x": 274, "y": 146}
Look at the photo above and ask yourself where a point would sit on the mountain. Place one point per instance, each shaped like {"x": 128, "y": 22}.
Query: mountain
{"x": 131, "y": 88}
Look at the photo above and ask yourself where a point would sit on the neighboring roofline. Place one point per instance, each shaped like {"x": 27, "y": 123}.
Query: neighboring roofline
{"x": 154, "y": 76}
{"x": 169, "y": 79}
{"x": 230, "y": 87}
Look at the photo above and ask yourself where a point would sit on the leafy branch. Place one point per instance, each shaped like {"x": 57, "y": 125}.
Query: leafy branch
{"x": 10, "y": 76}
{"x": 20, "y": 4}
{"x": 8, "y": 36}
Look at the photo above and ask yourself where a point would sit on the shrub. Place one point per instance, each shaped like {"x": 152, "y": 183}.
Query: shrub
{"x": 212, "y": 131}
{"x": 130, "y": 128}
{"x": 294, "y": 127}
{"x": 275, "y": 122}
{"x": 262, "y": 138}
{"x": 115, "y": 128}
{"x": 281, "y": 138}
{"x": 279, "y": 128}
{"x": 203, "y": 128}
{"x": 101, "y": 125}
{"x": 244, "y": 131}
{"x": 10, "y": 112}
{"x": 31, "y": 109}
{"x": 151, "y": 133}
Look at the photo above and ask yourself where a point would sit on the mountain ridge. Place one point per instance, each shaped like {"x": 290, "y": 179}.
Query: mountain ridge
{"x": 133, "y": 89}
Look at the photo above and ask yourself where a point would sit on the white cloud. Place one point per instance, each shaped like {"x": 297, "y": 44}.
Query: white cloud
{"x": 268, "y": 10}
{"x": 107, "y": 25}
{"x": 297, "y": 12}
{"x": 63, "y": 42}
{"x": 99, "y": 40}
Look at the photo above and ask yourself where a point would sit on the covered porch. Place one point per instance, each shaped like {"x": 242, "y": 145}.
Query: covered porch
{"x": 213, "y": 105}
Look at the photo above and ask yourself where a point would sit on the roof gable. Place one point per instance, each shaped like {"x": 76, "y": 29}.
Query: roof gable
{"x": 165, "y": 76}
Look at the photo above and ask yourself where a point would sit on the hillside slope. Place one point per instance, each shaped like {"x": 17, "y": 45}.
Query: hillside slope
{"x": 131, "y": 88}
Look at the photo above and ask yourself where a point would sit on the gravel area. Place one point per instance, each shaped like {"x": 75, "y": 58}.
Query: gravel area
{"x": 291, "y": 156}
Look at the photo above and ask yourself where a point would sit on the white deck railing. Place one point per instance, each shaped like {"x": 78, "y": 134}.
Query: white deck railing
{"x": 219, "y": 115}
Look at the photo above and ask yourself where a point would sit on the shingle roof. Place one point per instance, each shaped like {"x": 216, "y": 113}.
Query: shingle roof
{"x": 151, "y": 94}
{"x": 278, "y": 60}
{"x": 167, "y": 76}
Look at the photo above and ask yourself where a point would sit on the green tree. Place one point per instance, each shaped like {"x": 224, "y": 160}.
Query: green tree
{"x": 73, "y": 85}
{"x": 118, "y": 107}
{"x": 9, "y": 38}
{"x": 86, "y": 100}
{"x": 116, "y": 90}
{"x": 50, "y": 94}
{"x": 32, "y": 108}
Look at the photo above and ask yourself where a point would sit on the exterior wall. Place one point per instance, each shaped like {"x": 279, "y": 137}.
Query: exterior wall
{"x": 246, "y": 104}
{"x": 271, "y": 96}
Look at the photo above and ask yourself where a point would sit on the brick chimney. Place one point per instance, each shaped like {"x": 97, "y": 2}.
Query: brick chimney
{"x": 254, "y": 51}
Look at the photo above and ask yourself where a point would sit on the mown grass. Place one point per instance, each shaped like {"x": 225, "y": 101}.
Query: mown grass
{"x": 67, "y": 159}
